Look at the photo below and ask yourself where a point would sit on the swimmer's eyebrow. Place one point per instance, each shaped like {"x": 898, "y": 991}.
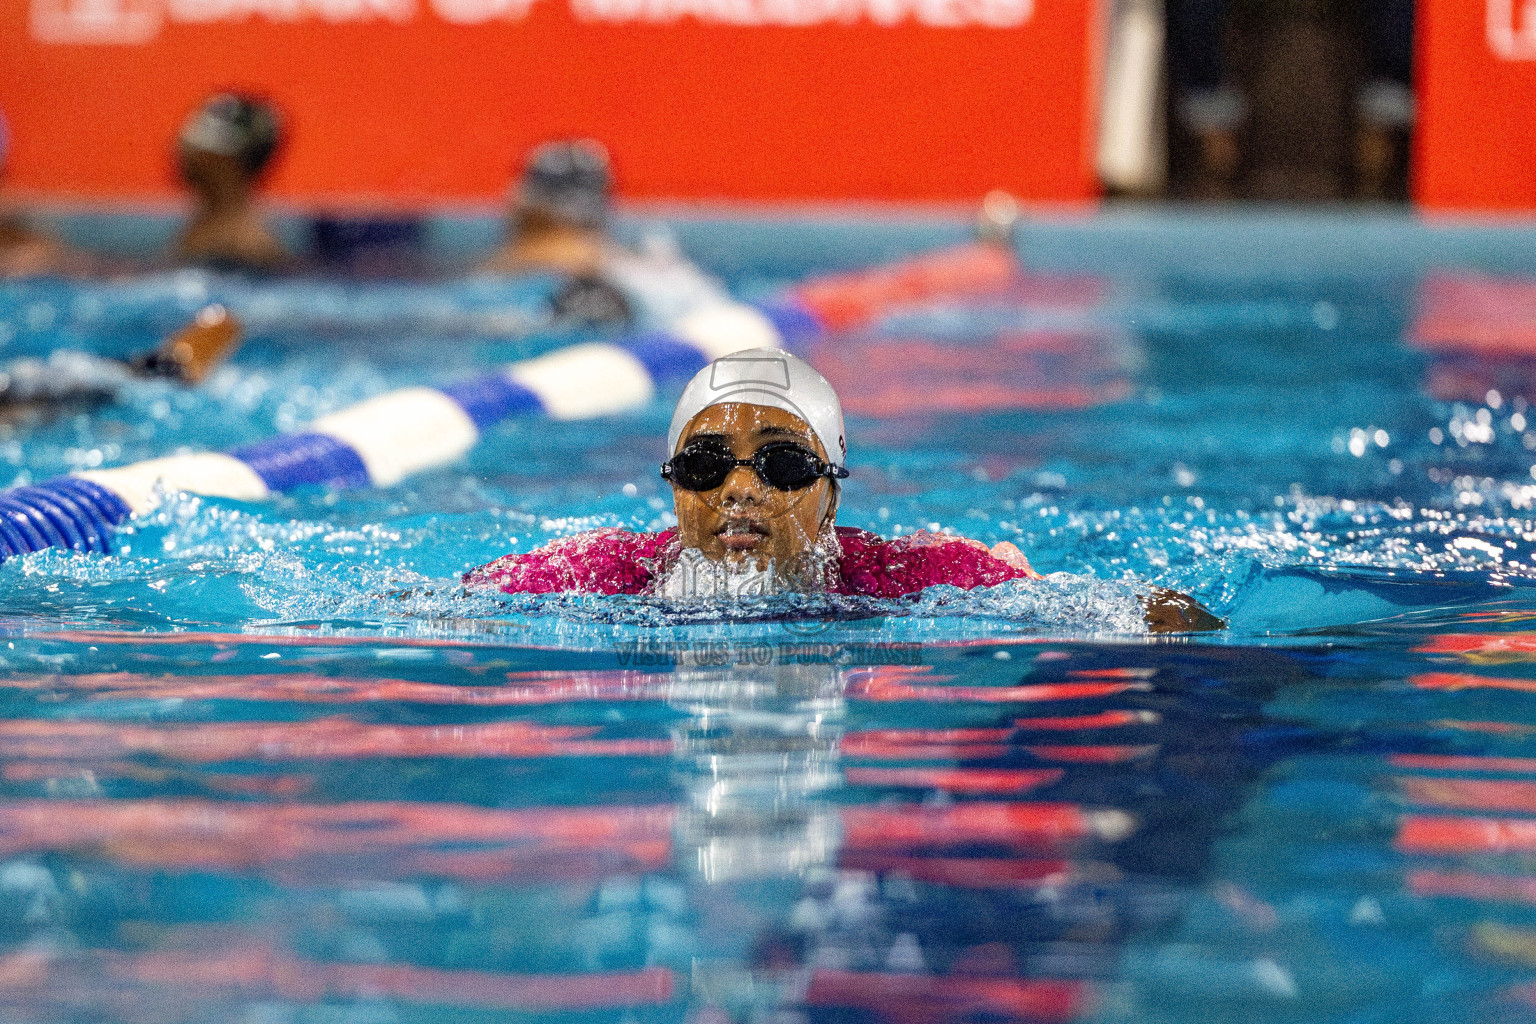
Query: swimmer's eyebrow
{"x": 706, "y": 437}
{"x": 779, "y": 432}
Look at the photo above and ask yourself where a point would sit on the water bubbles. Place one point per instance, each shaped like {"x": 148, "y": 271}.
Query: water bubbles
{"x": 40, "y": 316}
{"x": 1436, "y": 436}
{"x": 89, "y": 307}
{"x": 191, "y": 287}
{"x": 287, "y": 418}
{"x": 1476, "y": 430}
{"x": 1480, "y": 546}
{"x": 1274, "y": 979}
{"x": 1366, "y": 911}
{"x": 1326, "y": 315}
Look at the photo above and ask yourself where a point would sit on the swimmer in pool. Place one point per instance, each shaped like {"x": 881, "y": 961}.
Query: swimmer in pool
{"x": 757, "y": 452}
{"x": 558, "y": 223}
{"x": 69, "y": 381}
{"x": 222, "y": 152}
{"x": 558, "y": 218}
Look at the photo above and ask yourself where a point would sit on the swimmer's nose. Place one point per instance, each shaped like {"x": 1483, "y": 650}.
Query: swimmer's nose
{"x": 742, "y": 487}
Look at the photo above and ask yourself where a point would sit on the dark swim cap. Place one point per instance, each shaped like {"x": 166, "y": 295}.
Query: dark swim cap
{"x": 236, "y": 126}
{"x": 569, "y": 181}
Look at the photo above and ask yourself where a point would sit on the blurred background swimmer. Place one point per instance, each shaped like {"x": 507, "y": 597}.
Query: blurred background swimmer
{"x": 558, "y": 222}
{"x": 559, "y": 212}
{"x": 223, "y": 151}
{"x": 70, "y": 381}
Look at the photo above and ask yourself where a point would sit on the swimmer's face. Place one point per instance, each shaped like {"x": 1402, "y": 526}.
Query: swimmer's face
{"x": 212, "y": 175}
{"x": 744, "y": 518}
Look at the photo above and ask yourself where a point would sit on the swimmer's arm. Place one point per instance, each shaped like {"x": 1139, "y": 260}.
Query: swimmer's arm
{"x": 1167, "y": 611}
{"x": 1008, "y": 552}
{"x": 1005, "y": 551}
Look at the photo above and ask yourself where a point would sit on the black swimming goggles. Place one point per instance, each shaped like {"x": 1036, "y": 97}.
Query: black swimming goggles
{"x": 782, "y": 465}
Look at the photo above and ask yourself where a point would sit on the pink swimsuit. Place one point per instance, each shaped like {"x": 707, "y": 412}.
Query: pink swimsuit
{"x": 615, "y": 561}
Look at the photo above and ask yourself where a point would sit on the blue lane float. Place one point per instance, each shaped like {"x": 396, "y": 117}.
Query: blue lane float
{"x": 381, "y": 441}
{"x": 67, "y": 512}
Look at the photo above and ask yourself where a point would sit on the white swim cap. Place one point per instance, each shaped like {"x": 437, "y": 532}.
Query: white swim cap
{"x": 771, "y": 377}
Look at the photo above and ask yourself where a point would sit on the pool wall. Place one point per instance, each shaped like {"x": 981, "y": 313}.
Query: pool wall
{"x": 739, "y": 242}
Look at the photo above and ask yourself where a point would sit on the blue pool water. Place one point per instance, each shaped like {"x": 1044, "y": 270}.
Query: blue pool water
{"x": 268, "y": 763}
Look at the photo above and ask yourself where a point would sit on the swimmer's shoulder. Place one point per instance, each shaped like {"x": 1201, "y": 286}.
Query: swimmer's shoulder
{"x": 875, "y": 566}
{"x": 610, "y": 560}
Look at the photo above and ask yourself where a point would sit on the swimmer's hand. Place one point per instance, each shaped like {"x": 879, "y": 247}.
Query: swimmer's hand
{"x": 193, "y": 352}
{"x": 1168, "y": 611}
{"x": 1007, "y": 551}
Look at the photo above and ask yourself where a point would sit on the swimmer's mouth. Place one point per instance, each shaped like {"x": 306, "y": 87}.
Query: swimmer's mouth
{"x": 741, "y": 535}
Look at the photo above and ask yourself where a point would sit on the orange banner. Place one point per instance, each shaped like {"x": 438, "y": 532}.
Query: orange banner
{"x": 1476, "y": 144}
{"x": 414, "y": 101}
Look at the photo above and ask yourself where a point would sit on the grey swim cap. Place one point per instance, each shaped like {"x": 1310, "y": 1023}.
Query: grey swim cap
{"x": 569, "y": 181}
{"x": 236, "y": 126}
{"x": 771, "y": 377}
